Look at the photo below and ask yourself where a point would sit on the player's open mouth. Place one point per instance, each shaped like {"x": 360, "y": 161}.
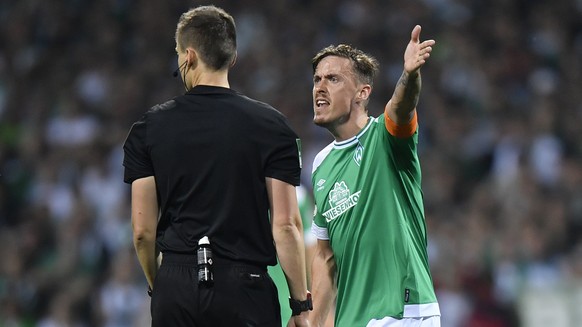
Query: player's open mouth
{"x": 320, "y": 103}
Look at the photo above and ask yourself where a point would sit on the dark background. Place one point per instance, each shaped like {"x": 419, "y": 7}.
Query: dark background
{"x": 501, "y": 145}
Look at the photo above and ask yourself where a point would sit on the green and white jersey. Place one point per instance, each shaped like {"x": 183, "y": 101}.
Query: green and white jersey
{"x": 369, "y": 206}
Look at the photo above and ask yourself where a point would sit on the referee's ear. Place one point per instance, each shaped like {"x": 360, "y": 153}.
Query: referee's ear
{"x": 233, "y": 60}
{"x": 191, "y": 58}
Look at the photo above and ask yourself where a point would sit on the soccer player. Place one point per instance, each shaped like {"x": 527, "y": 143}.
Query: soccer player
{"x": 371, "y": 251}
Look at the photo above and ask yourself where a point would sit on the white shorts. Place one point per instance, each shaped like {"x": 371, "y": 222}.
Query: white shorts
{"x": 434, "y": 321}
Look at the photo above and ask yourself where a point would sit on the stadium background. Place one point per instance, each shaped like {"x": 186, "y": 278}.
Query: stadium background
{"x": 500, "y": 123}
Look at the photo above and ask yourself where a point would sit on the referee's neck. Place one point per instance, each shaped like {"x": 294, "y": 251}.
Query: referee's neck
{"x": 211, "y": 78}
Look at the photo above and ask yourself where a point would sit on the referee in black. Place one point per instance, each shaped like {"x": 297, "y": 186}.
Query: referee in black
{"x": 215, "y": 163}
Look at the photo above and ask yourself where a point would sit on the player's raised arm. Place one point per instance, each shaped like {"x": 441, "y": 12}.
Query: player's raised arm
{"x": 401, "y": 107}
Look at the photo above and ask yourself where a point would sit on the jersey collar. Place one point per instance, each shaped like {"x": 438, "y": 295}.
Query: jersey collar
{"x": 354, "y": 139}
{"x": 208, "y": 89}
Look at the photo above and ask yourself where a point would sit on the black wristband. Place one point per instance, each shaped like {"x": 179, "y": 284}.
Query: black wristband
{"x": 299, "y": 306}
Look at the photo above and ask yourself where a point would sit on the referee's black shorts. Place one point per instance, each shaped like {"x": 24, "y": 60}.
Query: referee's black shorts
{"x": 242, "y": 295}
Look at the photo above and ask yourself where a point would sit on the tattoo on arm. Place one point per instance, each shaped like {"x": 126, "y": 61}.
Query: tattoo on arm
{"x": 403, "y": 80}
{"x": 407, "y": 92}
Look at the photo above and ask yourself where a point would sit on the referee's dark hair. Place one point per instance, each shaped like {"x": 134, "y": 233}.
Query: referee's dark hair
{"x": 212, "y": 32}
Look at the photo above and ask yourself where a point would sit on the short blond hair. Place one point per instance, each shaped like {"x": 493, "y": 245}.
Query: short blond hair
{"x": 364, "y": 65}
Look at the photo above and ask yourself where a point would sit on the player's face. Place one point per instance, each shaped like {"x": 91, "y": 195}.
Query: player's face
{"x": 334, "y": 91}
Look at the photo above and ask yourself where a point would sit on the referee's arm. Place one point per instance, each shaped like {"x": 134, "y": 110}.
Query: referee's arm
{"x": 288, "y": 236}
{"x": 144, "y": 220}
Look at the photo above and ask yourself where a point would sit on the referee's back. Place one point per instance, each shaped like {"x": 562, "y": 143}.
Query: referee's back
{"x": 210, "y": 151}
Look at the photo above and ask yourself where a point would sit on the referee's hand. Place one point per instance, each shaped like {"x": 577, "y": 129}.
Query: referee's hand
{"x": 300, "y": 320}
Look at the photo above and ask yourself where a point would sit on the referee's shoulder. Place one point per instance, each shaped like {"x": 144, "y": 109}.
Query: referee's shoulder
{"x": 163, "y": 106}
{"x": 257, "y": 104}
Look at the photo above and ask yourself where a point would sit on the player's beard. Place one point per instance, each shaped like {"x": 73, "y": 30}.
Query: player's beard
{"x": 332, "y": 125}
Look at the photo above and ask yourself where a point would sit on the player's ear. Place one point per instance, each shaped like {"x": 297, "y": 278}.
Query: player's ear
{"x": 364, "y": 92}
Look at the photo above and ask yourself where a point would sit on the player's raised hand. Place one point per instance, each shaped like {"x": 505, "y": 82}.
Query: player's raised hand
{"x": 416, "y": 52}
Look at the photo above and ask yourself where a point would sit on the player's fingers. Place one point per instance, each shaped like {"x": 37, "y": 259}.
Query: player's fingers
{"x": 427, "y": 43}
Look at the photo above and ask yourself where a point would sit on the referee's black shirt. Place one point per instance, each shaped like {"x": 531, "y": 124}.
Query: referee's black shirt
{"x": 210, "y": 151}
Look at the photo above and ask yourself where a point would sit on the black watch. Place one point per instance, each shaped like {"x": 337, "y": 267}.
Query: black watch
{"x": 299, "y": 306}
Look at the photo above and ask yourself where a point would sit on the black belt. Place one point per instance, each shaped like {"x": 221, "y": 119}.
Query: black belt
{"x": 191, "y": 259}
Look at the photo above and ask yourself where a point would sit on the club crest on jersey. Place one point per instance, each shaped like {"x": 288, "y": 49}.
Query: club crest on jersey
{"x": 341, "y": 200}
{"x": 358, "y": 154}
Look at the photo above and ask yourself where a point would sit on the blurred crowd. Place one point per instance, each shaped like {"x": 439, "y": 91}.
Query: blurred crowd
{"x": 500, "y": 119}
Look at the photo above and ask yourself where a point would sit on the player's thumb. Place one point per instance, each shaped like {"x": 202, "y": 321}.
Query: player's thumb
{"x": 415, "y": 35}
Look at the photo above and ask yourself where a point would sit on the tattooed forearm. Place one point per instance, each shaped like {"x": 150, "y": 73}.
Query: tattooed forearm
{"x": 407, "y": 92}
{"x": 403, "y": 80}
